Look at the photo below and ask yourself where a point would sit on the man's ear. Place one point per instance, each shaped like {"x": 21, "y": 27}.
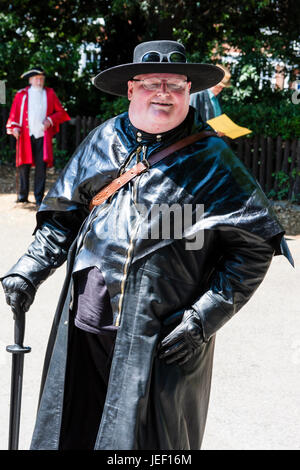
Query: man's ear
{"x": 129, "y": 89}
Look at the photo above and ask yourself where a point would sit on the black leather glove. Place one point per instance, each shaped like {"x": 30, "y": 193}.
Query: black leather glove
{"x": 19, "y": 293}
{"x": 184, "y": 341}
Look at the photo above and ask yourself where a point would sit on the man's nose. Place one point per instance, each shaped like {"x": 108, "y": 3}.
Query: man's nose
{"x": 163, "y": 87}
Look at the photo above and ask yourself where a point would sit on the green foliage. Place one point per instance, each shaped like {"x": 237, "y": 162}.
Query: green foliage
{"x": 7, "y": 155}
{"x": 270, "y": 114}
{"x": 112, "y": 107}
{"x": 246, "y": 83}
{"x": 52, "y": 34}
{"x": 60, "y": 157}
{"x": 283, "y": 186}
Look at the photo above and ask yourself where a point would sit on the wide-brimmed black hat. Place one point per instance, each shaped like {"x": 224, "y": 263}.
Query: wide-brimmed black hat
{"x": 32, "y": 72}
{"x": 158, "y": 57}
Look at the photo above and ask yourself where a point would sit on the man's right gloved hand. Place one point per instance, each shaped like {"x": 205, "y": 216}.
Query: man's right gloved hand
{"x": 19, "y": 293}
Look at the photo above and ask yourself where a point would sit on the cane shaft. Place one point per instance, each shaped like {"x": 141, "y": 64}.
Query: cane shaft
{"x": 17, "y": 167}
{"x": 18, "y": 351}
{"x": 15, "y": 400}
{"x": 19, "y": 329}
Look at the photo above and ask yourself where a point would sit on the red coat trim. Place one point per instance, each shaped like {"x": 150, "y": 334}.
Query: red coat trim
{"x": 18, "y": 118}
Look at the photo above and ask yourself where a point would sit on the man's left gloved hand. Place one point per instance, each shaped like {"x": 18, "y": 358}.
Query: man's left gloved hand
{"x": 184, "y": 341}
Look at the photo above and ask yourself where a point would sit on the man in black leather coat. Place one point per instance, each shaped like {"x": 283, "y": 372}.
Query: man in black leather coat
{"x": 129, "y": 360}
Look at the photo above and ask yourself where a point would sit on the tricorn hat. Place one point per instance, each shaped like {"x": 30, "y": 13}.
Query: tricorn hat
{"x": 32, "y": 72}
{"x": 158, "y": 57}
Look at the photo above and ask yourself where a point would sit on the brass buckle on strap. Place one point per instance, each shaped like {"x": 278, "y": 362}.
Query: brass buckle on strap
{"x": 146, "y": 164}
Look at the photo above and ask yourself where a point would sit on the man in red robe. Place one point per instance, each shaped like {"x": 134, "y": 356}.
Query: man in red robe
{"x": 34, "y": 119}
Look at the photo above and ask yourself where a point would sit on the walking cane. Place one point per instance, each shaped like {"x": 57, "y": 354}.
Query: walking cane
{"x": 17, "y": 167}
{"x": 18, "y": 351}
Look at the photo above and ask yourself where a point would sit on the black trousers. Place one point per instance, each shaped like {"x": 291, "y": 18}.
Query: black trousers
{"x": 87, "y": 374}
{"x": 39, "y": 176}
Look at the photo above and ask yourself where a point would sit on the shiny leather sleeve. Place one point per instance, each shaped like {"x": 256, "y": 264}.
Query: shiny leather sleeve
{"x": 49, "y": 249}
{"x": 239, "y": 271}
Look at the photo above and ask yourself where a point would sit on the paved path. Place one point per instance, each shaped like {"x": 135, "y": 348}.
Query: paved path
{"x": 255, "y": 398}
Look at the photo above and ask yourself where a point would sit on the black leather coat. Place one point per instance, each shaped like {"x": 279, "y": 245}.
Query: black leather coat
{"x": 151, "y": 281}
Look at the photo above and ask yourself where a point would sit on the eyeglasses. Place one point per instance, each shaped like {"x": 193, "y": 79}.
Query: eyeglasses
{"x": 154, "y": 84}
{"x": 154, "y": 56}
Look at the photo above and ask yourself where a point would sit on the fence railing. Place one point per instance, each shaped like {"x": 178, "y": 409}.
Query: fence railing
{"x": 274, "y": 162}
{"x": 78, "y": 127}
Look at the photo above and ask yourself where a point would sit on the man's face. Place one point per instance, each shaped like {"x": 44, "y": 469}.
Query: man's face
{"x": 37, "y": 81}
{"x": 159, "y": 110}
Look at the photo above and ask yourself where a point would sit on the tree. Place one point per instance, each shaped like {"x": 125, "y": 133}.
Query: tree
{"x": 52, "y": 33}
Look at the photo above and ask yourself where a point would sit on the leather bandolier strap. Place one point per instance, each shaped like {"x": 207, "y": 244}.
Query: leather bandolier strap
{"x": 143, "y": 166}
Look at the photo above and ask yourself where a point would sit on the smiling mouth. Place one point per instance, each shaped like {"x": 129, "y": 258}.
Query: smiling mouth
{"x": 161, "y": 104}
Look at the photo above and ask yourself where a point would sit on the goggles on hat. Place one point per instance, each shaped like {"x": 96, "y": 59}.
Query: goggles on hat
{"x": 154, "y": 56}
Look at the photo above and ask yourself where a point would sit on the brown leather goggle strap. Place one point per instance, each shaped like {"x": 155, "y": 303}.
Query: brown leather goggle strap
{"x": 143, "y": 166}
